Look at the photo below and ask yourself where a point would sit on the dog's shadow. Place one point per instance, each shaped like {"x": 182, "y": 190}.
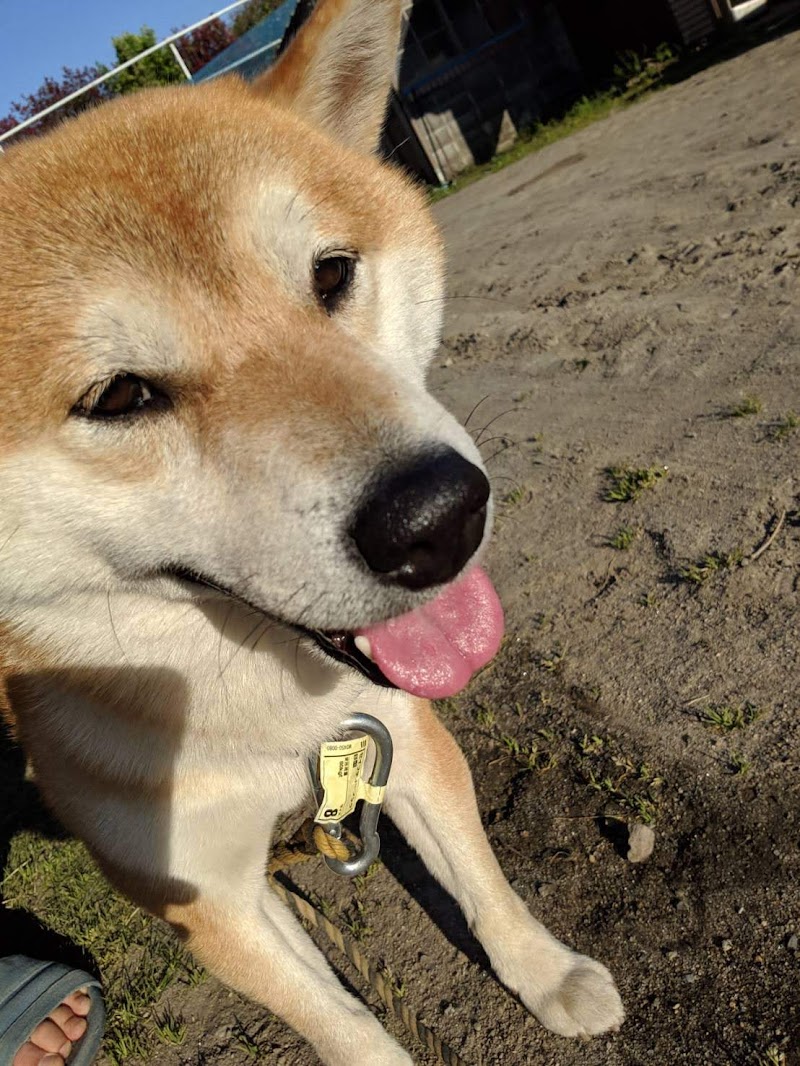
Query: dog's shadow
{"x": 21, "y": 809}
{"x": 410, "y": 872}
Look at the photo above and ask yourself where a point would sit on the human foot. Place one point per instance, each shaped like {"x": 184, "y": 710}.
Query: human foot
{"x": 51, "y": 1041}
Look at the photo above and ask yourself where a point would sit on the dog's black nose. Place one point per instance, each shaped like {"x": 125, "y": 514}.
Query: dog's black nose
{"x": 421, "y": 523}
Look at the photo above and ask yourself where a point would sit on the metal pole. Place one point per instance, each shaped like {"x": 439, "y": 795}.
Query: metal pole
{"x": 123, "y": 66}
{"x": 179, "y": 60}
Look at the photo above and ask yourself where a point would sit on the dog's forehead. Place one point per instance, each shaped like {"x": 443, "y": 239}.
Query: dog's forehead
{"x": 208, "y": 186}
{"x": 189, "y": 163}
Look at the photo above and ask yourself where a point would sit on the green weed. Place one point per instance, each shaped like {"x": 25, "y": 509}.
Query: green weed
{"x": 781, "y": 429}
{"x": 727, "y": 717}
{"x": 247, "y": 1042}
{"x": 634, "y": 787}
{"x": 515, "y": 496}
{"x": 395, "y": 985}
{"x": 591, "y": 745}
{"x": 361, "y": 882}
{"x": 737, "y": 763}
{"x": 626, "y": 483}
{"x": 631, "y": 86}
{"x": 623, "y": 538}
{"x": 170, "y": 1028}
{"x": 773, "y": 1056}
{"x": 533, "y": 755}
{"x": 748, "y": 405}
{"x": 553, "y": 661}
{"x": 635, "y": 74}
{"x": 355, "y": 920}
{"x": 485, "y": 717}
{"x": 709, "y": 565}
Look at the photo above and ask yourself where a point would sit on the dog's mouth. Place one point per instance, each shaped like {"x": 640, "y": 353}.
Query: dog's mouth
{"x": 343, "y": 647}
{"x": 431, "y": 652}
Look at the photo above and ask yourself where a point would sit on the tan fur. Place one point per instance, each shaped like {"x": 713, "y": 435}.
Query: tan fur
{"x": 172, "y": 236}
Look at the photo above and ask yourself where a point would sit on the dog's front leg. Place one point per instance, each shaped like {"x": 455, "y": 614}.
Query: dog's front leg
{"x": 248, "y": 939}
{"x": 432, "y": 801}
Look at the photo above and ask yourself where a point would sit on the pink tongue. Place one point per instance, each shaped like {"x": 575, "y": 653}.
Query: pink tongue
{"x": 435, "y": 650}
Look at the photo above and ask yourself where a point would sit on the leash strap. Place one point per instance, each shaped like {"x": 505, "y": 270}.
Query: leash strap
{"x": 397, "y": 1007}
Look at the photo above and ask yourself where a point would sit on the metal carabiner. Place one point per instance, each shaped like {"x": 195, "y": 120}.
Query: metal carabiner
{"x": 370, "y": 812}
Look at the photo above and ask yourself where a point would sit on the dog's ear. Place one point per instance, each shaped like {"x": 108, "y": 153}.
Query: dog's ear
{"x": 338, "y": 69}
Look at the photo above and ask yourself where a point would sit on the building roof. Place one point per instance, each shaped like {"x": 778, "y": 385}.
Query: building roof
{"x": 255, "y": 50}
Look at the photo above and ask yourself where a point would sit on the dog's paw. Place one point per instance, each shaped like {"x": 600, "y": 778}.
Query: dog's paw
{"x": 585, "y": 1002}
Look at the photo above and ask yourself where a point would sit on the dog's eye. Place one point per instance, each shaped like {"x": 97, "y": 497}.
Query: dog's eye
{"x": 332, "y": 278}
{"x": 117, "y": 397}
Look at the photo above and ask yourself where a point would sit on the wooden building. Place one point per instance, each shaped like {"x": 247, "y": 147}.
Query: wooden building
{"x": 473, "y": 73}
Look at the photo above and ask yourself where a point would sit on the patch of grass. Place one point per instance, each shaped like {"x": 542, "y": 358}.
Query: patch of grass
{"x": 395, "y": 985}
{"x": 709, "y": 565}
{"x": 623, "y": 538}
{"x": 553, "y": 661}
{"x": 632, "y": 786}
{"x": 737, "y": 763}
{"x": 634, "y": 80}
{"x": 515, "y": 496}
{"x": 726, "y": 716}
{"x": 591, "y": 745}
{"x": 194, "y": 974}
{"x": 327, "y": 906}
{"x": 530, "y": 756}
{"x": 635, "y": 72}
{"x": 773, "y": 1056}
{"x": 648, "y": 599}
{"x": 247, "y": 1042}
{"x": 170, "y": 1028}
{"x": 138, "y": 958}
{"x": 360, "y": 883}
{"x": 626, "y": 483}
{"x": 354, "y": 919}
{"x": 781, "y": 429}
{"x": 485, "y": 717}
{"x": 748, "y": 405}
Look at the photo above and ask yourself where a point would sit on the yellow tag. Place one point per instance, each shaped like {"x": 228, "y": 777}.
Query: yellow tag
{"x": 340, "y": 766}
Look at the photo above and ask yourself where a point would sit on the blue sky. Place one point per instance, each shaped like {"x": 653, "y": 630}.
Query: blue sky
{"x": 39, "y": 37}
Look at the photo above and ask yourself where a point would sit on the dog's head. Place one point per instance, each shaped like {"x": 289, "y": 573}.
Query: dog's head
{"x": 216, "y": 312}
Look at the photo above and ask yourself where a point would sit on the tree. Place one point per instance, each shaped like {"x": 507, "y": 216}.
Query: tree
{"x": 50, "y": 92}
{"x": 201, "y": 45}
{"x": 254, "y": 11}
{"x": 196, "y": 48}
{"x": 160, "y": 68}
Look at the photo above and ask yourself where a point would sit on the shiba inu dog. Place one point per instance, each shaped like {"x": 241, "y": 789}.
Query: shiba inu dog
{"x": 232, "y": 514}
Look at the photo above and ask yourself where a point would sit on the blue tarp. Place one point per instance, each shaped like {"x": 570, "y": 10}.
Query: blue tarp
{"x": 255, "y": 50}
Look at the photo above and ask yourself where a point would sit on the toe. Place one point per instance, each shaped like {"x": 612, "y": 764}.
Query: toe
{"x": 71, "y": 1025}
{"x": 31, "y": 1055}
{"x": 79, "y": 1003}
{"x": 48, "y": 1036}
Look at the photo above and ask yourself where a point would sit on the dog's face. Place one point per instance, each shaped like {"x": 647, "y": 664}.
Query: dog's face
{"x": 216, "y": 313}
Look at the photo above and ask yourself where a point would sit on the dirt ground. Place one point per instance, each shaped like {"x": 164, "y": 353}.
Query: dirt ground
{"x": 614, "y": 298}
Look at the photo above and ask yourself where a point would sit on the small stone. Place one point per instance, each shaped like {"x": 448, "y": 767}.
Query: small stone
{"x": 726, "y": 946}
{"x": 544, "y": 889}
{"x": 792, "y": 942}
{"x": 641, "y": 841}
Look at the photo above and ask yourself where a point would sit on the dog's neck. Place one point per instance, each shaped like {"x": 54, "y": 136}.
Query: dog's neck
{"x": 223, "y": 676}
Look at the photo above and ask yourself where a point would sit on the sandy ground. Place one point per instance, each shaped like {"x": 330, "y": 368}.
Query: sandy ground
{"x": 612, "y": 298}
